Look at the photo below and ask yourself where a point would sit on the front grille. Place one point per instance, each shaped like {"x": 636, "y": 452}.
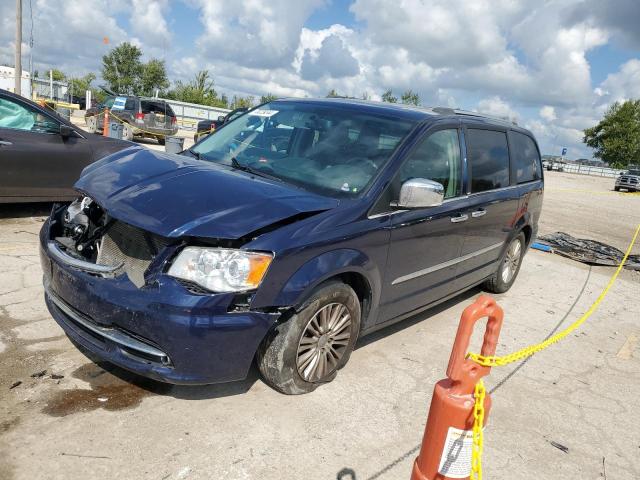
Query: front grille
{"x": 132, "y": 247}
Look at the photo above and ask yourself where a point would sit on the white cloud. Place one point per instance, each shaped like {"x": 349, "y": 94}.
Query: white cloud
{"x": 622, "y": 85}
{"x": 254, "y": 33}
{"x": 548, "y": 113}
{"x": 332, "y": 59}
{"x": 497, "y": 107}
{"x": 149, "y": 24}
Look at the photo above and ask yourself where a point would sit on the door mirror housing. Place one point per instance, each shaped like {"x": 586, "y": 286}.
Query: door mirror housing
{"x": 221, "y": 118}
{"x": 66, "y": 131}
{"x": 420, "y": 193}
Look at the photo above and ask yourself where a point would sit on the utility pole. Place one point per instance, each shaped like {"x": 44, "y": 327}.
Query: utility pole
{"x": 18, "y": 66}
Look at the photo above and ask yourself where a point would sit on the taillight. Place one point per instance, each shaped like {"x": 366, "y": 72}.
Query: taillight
{"x": 139, "y": 117}
{"x": 173, "y": 120}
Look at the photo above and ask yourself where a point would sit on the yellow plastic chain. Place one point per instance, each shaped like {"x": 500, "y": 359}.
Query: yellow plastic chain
{"x": 495, "y": 361}
{"x": 478, "y": 440}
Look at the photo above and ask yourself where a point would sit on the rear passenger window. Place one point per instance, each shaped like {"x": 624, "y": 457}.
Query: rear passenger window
{"x": 488, "y": 154}
{"x": 525, "y": 157}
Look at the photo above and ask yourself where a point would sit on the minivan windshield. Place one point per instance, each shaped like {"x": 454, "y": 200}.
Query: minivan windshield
{"x": 334, "y": 150}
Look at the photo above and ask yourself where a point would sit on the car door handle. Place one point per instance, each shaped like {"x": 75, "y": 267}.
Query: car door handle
{"x": 5, "y": 143}
{"x": 479, "y": 213}
{"x": 460, "y": 218}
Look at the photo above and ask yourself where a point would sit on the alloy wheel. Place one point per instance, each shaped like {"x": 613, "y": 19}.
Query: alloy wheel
{"x": 324, "y": 342}
{"x": 511, "y": 261}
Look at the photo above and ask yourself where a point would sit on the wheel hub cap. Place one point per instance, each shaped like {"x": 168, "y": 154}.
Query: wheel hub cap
{"x": 324, "y": 342}
{"x": 511, "y": 261}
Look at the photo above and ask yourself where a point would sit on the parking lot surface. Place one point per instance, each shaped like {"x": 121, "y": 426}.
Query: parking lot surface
{"x": 70, "y": 418}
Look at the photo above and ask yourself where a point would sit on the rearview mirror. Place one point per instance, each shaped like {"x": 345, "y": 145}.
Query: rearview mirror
{"x": 420, "y": 193}
{"x": 66, "y": 131}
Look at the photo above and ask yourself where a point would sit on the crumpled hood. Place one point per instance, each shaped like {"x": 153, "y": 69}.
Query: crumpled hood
{"x": 174, "y": 195}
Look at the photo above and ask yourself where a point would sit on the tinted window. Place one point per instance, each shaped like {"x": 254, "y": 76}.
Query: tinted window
{"x": 437, "y": 159}
{"x": 130, "y": 104}
{"x": 525, "y": 158}
{"x": 108, "y": 103}
{"x": 21, "y": 117}
{"x": 156, "y": 107}
{"x": 489, "y": 159}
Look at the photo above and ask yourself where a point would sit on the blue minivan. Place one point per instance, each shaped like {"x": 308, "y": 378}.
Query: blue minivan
{"x": 292, "y": 231}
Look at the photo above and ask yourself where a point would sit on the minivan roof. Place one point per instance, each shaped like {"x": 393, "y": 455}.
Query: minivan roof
{"x": 410, "y": 112}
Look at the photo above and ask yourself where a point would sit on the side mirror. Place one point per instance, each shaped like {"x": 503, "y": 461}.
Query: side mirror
{"x": 221, "y": 118}
{"x": 420, "y": 193}
{"x": 66, "y": 131}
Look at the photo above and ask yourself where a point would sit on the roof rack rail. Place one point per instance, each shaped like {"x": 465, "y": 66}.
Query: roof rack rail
{"x": 458, "y": 111}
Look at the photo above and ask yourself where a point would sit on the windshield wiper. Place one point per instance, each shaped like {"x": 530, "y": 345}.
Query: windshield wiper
{"x": 246, "y": 168}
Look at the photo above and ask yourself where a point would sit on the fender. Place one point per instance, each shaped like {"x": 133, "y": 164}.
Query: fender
{"x": 325, "y": 266}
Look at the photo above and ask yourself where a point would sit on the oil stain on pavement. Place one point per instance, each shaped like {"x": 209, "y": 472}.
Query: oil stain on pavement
{"x": 111, "y": 389}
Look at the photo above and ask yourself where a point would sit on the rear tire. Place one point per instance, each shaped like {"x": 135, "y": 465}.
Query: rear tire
{"x": 308, "y": 349}
{"x": 508, "y": 268}
{"x": 161, "y": 140}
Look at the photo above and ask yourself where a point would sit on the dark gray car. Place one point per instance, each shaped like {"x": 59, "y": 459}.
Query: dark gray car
{"x": 142, "y": 117}
{"x": 41, "y": 153}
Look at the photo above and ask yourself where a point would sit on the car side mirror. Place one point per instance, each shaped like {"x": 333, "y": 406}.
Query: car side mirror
{"x": 66, "y": 131}
{"x": 420, "y": 193}
{"x": 221, "y": 118}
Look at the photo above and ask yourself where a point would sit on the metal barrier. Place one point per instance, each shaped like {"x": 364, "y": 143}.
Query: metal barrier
{"x": 189, "y": 114}
{"x": 589, "y": 170}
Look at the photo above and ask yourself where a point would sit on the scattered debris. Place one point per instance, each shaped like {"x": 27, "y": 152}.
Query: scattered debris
{"x": 604, "y": 469}
{"x": 15, "y": 384}
{"x": 587, "y": 251}
{"x": 559, "y": 446}
{"x": 39, "y": 374}
{"x": 542, "y": 247}
{"x": 63, "y": 454}
{"x": 56, "y": 376}
{"x": 102, "y": 399}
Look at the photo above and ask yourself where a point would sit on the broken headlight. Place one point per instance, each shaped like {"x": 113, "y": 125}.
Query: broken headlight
{"x": 221, "y": 269}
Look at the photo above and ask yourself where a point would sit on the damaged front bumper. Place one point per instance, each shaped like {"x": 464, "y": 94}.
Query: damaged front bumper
{"x": 162, "y": 330}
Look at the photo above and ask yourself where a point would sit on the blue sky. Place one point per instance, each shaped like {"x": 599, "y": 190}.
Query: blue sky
{"x": 554, "y": 66}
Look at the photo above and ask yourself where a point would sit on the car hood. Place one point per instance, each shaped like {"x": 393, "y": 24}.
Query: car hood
{"x": 174, "y": 195}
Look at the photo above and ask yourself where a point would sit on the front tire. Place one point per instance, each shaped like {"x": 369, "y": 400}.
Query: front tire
{"x": 509, "y": 266}
{"x": 617, "y": 189}
{"x": 308, "y": 349}
{"x": 161, "y": 141}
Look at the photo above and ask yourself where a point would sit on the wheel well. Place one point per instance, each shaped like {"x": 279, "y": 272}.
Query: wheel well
{"x": 362, "y": 288}
{"x": 527, "y": 233}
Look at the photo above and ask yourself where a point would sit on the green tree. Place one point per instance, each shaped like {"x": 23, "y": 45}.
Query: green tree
{"x": 79, "y": 85}
{"x": 388, "y": 97}
{"x": 269, "y": 97}
{"x": 616, "y": 138}
{"x": 57, "y": 75}
{"x": 154, "y": 76}
{"x": 333, "y": 93}
{"x": 122, "y": 68}
{"x": 200, "y": 90}
{"x": 409, "y": 97}
{"x": 241, "y": 102}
